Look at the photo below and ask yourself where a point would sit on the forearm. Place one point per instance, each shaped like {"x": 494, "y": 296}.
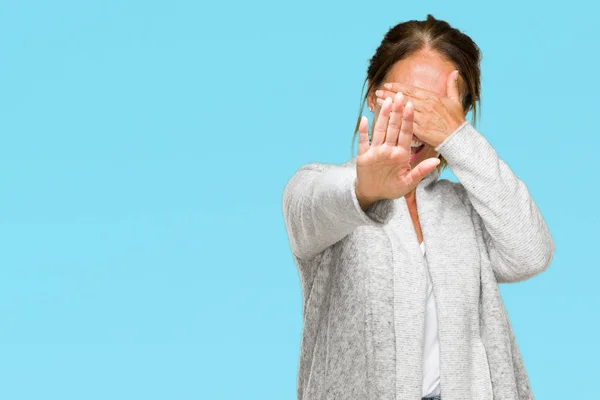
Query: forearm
{"x": 321, "y": 206}
{"x": 516, "y": 234}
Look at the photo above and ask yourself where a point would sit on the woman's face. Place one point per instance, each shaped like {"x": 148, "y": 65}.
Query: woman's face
{"x": 427, "y": 70}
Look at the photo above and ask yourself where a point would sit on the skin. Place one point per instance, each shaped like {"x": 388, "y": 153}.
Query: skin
{"x": 426, "y": 80}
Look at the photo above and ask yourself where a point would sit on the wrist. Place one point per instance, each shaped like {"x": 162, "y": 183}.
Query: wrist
{"x": 365, "y": 202}
{"x": 447, "y": 135}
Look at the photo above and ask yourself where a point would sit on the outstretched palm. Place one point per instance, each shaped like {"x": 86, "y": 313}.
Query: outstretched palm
{"x": 383, "y": 167}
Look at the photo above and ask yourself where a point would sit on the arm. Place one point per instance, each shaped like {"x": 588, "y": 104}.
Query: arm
{"x": 320, "y": 208}
{"x": 516, "y": 236}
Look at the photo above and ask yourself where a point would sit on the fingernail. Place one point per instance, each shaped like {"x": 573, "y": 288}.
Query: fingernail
{"x": 379, "y": 93}
{"x": 387, "y": 85}
{"x": 379, "y": 101}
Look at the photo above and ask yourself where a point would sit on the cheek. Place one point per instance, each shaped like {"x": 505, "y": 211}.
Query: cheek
{"x": 429, "y": 150}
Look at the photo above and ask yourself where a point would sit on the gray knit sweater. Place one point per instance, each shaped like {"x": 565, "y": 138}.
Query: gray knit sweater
{"x": 363, "y": 278}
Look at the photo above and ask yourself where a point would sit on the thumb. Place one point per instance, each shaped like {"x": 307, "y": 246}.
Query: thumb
{"x": 452, "y": 86}
{"x": 423, "y": 169}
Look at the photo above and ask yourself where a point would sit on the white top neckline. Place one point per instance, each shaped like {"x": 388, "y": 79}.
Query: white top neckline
{"x": 431, "y": 349}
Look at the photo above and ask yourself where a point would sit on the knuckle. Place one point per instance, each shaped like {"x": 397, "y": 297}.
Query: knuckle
{"x": 393, "y": 124}
{"x": 379, "y": 129}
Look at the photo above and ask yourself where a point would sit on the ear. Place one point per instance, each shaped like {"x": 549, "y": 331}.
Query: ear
{"x": 371, "y": 101}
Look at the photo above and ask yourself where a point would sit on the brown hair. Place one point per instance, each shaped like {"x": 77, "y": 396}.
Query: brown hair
{"x": 411, "y": 36}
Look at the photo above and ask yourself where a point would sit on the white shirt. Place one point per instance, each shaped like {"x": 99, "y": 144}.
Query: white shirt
{"x": 431, "y": 343}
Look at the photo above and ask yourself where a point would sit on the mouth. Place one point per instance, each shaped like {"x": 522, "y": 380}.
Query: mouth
{"x": 415, "y": 148}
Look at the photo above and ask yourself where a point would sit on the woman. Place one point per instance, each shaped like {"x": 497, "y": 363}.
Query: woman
{"x": 399, "y": 269}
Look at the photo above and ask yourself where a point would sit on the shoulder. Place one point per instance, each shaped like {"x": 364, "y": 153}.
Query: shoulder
{"x": 454, "y": 189}
{"x": 447, "y": 185}
{"x": 321, "y": 166}
{"x": 460, "y": 193}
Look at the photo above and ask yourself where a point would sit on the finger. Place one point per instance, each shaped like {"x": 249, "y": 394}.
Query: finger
{"x": 384, "y": 94}
{"x": 363, "y": 136}
{"x": 423, "y": 168}
{"x": 382, "y": 123}
{"x": 408, "y": 90}
{"x": 419, "y": 126}
{"x": 395, "y": 122}
{"x": 406, "y": 131}
{"x": 452, "y": 86}
{"x": 418, "y": 131}
{"x": 420, "y": 104}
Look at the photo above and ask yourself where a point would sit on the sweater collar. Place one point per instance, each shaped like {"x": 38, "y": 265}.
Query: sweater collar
{"x": 430, "y": 178}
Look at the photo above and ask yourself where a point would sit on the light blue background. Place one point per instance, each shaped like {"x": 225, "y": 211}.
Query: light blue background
{"x": 144, "y": 150}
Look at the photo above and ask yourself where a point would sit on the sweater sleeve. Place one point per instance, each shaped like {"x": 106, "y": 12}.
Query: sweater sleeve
{"x": 320, "y": 208}
{"x": 516, "y": 236}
